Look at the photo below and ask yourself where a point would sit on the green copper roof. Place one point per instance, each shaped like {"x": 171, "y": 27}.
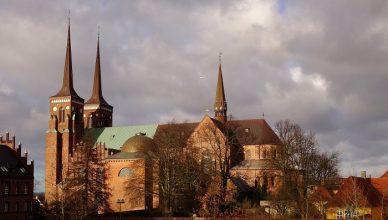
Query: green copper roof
{"x": 114, "y": 137}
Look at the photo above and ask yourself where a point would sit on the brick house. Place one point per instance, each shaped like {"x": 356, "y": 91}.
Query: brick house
{"x": 16, "y": 181}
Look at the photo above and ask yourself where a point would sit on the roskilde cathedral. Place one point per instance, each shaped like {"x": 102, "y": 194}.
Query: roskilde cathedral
{"x": 71, "y": 119}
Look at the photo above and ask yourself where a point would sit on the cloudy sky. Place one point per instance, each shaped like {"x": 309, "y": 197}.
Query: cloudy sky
{"x": 321, "y": 64}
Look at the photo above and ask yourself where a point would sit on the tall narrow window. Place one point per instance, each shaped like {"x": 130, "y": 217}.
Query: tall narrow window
{"x": 25, "y": 206}
{"x": 274, "y": 154}
{"x": 6, "y": 207}
{"x": 207, "y": 161}
{"x": 61, "y": 114}
{"x": 90, "y": 122}
{"x": 25, "y": 189}
{"x": 272, "y": 181}
{"x": 6, "y": 189}
{"x": 265, "y": 154}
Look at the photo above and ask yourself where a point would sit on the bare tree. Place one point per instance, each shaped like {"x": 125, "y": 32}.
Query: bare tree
{"x": 303, "y": 164}
{"x": 85, "y": 188}
{"x": 173, "y": 166}
{"x": 219, "y": 147}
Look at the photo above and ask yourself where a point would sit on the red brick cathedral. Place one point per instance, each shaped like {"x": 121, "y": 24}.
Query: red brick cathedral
{"x": 124, "y": 148}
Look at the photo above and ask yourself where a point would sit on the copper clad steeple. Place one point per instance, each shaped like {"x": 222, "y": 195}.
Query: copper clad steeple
{"x": 97, "y": 97}
{"x": 220, "y": 106}
{"x": 67, "y": 86}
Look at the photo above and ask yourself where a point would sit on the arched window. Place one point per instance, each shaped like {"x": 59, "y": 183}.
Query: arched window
{"x": 272, "y": 181}
{"x": 90, "y": 121}
{"x": 126, "y": 172}
{"x": 207, "y": 161}
{"x": 61, "y": 114}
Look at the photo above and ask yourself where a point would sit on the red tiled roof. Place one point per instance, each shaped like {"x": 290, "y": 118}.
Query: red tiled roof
{"x": 381, "y": 184}
{"x": 248, "y": 132}
{"x": 321, "y": 194}
{"x": 368, "y": 195}
{"x": 258, "y": 130}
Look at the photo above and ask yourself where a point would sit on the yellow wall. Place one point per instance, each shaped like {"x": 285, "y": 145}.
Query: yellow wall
{"x": 374, "y": 212}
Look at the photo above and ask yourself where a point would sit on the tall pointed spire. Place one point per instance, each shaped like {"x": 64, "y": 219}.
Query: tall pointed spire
{"x": 97, "y": 97}
{"x": 220, "y": 106}
{"x": 67, "y": 86}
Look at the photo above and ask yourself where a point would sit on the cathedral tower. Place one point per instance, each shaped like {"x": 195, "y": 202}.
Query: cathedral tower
{"x": 98, "y": 113}
{"x": 65, "y": 128}
{"x": 220, "y": 106}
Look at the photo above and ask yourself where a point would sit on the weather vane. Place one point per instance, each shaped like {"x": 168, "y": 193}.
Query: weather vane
{"x": 98, "y": 32}
{"x": 68, "y": 17}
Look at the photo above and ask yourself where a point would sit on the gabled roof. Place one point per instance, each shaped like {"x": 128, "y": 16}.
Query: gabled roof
{"x": 254, "y": 132}
{"x": 114, "y": 137}
{"x": 381, "y": 184}
{"x": 321, "y": 194}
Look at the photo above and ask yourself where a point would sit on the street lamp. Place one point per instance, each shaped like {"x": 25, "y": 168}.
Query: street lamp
{"x": 120, "y": 201}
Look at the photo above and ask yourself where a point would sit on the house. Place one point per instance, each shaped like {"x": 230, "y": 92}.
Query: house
{"x": 16, "y": 180}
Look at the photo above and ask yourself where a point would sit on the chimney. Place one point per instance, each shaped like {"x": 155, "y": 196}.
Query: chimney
{"x": 363, "y": 174}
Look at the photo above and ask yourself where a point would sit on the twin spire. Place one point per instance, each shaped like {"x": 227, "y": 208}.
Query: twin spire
{"x": 220, "y": 106}
{"x": 97, "y": 97}
{"x": 67, "y": 86}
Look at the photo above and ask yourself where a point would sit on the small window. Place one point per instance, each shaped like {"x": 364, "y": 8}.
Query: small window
{"x": 17, "y": 206}
{"x": 348, "y": 214}
{"x": 265, "y": 154}
{"x": 356, "y": 213}
{"x": 25, "y": 189}
{"x": 6, "y": 189}
{"x": 339, "y": 214}
{"x": 246, "y": 130}
{"x": 274, "y": 154}
{"x": 6, "y": 207}
{"x": 126, "y": 172}
{"x": 25, "y": 206}
{"x": 17, "y": 189}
